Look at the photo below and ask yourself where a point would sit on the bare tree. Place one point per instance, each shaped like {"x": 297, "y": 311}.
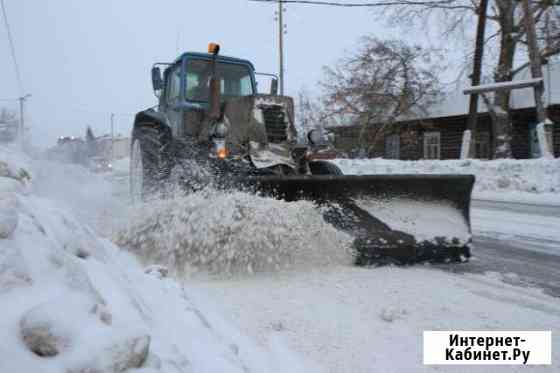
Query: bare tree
{"x": 510, "y": 38}
{"x": 383, "y": 81}
{"x": 310, "y": 114}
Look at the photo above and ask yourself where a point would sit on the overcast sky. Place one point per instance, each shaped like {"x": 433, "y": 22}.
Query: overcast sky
{"x": 82, "y": 60}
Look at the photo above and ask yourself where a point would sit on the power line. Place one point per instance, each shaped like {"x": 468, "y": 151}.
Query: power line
{"x": 379, "y": 3}
{"x": 12, "y": 48}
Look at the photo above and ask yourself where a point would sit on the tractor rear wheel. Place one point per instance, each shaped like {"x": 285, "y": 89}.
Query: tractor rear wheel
{"x": 324, "y": 168}
{"x": 149, "y": 161}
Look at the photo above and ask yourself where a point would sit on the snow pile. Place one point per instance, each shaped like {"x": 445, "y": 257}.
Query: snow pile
{"x": 72, "y": 302}
{"x": 233, "y": 232}
{"x": 51, "y": 309}
{"x": 535, "y": 180}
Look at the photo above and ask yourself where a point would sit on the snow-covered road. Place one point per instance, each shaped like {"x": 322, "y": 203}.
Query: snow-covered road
{"x": 518, "y": 242}
{"x": 348, "y": 319}
{"x": 534, "y": 227}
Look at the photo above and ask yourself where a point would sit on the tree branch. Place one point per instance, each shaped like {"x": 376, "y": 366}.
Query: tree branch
{"x": 544, "y": 54}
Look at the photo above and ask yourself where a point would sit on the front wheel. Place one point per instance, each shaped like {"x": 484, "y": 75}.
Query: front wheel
{"x": 324, "y": 168}
{"x": 149, "y": 162}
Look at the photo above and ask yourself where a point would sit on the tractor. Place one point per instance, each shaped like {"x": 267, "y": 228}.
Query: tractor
{"x": 212, "y": 127}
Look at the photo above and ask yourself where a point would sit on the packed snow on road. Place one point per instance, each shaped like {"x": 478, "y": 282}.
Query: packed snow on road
{"x": 226, "y": 282}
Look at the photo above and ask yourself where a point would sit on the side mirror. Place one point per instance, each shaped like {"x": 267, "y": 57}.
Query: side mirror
{"x": 157, "y": 81}
{"x": 274, "y": 87}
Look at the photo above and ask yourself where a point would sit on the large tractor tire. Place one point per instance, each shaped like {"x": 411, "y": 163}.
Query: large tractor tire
{"x": 324, "y": 168}
{"x": 150, "y": 161}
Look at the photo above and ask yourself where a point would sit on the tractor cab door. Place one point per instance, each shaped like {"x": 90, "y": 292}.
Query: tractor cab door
{"x": 172, "y": 99}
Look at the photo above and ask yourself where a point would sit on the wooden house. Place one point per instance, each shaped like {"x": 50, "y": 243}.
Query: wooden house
{"x": 439, "y": 134}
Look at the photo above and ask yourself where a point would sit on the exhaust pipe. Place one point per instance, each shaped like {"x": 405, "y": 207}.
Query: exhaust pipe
{"x": 214, "y": 111}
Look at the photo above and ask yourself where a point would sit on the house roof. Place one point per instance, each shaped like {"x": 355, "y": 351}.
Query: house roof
{"x": 456, "y": 103}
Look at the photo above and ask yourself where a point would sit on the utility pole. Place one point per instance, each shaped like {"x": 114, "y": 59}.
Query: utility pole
{"x": 279, "y": 16}
{"x": 548, "y": 45}
{"x": 112, "y": 138}
{"x": 281, "y": 44}
{"x": 475, "y": 77}
{"x": 21, "y": 131}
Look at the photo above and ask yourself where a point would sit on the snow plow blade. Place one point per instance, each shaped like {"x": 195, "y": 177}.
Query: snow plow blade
{"x": 393, "y": 218}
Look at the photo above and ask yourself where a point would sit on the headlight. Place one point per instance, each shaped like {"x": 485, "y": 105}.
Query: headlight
{"x": 331, "y": 137}
{"x": 314, "y": 137}
{"x": 220, "y": 149}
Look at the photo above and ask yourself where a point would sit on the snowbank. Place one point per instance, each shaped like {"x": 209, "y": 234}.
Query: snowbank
{"x": 528, "y": 181}
{"x": 73, "y": 302}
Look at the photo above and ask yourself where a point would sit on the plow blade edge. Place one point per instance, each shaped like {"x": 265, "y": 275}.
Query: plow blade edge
{"x": 400, "y": 218}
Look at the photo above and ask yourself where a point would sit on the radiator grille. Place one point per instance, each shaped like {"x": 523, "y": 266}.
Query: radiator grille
{"x": 276, "y": 123}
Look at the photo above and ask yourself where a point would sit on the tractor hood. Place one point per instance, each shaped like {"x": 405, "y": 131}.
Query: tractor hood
{"x": 263, "y": 127}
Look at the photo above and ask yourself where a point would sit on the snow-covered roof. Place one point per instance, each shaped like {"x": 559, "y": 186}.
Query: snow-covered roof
{"x": 457, "y": 103}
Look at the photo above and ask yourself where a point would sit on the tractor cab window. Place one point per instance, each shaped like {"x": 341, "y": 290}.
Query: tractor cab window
{"x": 235, "y": 80}
{"x": 174, "y": 85}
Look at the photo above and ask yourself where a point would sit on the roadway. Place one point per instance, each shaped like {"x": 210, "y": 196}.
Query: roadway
{"x": 520, "y": 243}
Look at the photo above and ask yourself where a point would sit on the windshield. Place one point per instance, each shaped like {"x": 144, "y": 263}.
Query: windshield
{"x": 235, "y": 80}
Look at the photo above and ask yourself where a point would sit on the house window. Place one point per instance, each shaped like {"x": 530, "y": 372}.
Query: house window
{"x": 432, "y": 145}
{"x": 482, "y": 145}
{"x": 392, "y": 147}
